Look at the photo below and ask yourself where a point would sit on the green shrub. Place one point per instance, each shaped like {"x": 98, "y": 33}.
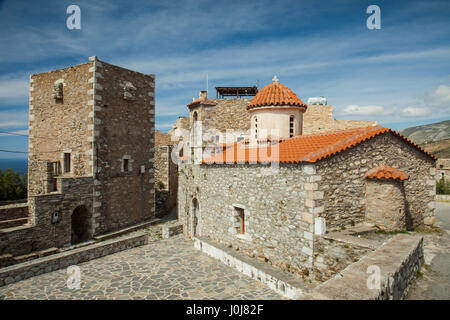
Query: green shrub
{"x": 13, "y": 186}
{"x": 443, "y": 186}
{"x": 160, "y": 185}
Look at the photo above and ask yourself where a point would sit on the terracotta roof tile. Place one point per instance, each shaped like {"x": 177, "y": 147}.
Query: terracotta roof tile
{"x": 305, "y": 148}
{"x": 386, "y": 172}
{"x": 275, "y": 94}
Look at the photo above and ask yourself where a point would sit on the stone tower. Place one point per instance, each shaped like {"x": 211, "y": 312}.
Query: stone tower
{"x": 91, "y": 140}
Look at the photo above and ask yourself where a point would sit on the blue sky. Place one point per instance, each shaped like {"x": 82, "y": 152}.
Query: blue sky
{"x": 398, "y": 75}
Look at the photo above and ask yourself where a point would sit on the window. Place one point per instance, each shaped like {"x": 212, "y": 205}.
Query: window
{"x": 126, "y": 163}
{"x": 256, "y": 127}
{"x": 56, "y": 168}
{"x": 66, "y": 162}
{"x": 241, "y": 219}
{"x": 291, "y": 126}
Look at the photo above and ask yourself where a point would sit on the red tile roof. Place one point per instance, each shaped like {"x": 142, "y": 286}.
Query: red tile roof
{"x": 386, "y": 172}
{"x": 275, "y": 94}
{"x": 305, "y": 148}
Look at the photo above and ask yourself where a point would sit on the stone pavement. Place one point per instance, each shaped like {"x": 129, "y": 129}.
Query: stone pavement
{"x": 165, "y": 269}
{"x": 434, "y": 284}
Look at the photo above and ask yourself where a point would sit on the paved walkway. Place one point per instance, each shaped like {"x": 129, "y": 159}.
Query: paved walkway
{"x": 166, "y": 269}
{"x": 435, "y": 282}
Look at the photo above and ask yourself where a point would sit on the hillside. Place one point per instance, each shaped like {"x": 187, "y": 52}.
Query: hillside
{"x": 440, "y": 149}
{"x": 428, "y": 133}
{"x": 434, "y": 137}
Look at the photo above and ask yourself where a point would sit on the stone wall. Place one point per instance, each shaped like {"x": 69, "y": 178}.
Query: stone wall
{"x": 72, "y": 257}
{"x": 385, "y": 204}
{"x": 318, "y": 118}
{"x": 227, "y": 114}
{"x": 13, "y": 211}
{"x": 40, "y": 233}
{"x": 443, "y": 169}
{"x": 396, "y": 262}
{"x": 59, "y": 125}
{"x": 278, "y": 223}
{"x": 166, "y": 172}
{"x": 103, "y": 115}
{"x": 350, "y": 124}
{"x": 122, "y": 129}
{"x": 331, "y": 257}
{"x": 342, "y": 181}
{"x": 162, "y": 159}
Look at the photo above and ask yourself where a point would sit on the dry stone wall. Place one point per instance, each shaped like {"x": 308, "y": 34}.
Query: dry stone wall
{"x": 278, "y": 224}
{"x": 123, "y": 103}
{"x": 13, "y": 211}
{"x": 40, "y": 233}
{"x": 385, "y": 204}
{"x": 318, "y": 118}
{"x": 226, "y": 114}
{"x": 59, "y": 125}
{"x": 343, "y": 182}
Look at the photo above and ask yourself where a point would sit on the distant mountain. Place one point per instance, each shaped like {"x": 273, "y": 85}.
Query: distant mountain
{"x": 434, "y": 137}
{"x": 428, "y": 133}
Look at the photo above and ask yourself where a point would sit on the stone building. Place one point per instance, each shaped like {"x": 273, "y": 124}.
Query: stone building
{"x": 443, "y": 169}
{"x": 271, "y": 198}
{"x": 319, "y": 118}
{"x": 91, "y": 154}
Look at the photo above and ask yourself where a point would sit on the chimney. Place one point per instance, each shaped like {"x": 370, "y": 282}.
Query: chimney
{"x": 203, "y": 95}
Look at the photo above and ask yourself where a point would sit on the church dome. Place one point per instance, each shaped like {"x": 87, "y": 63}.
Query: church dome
{"x": 275, "y": 94}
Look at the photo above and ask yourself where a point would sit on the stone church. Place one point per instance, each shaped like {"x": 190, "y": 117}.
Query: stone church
{"x": 274, "y": 189}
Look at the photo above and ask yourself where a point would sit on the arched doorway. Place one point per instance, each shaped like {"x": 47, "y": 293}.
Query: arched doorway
{"x": 80, "y": 225}
{"x": 195, "y": 217}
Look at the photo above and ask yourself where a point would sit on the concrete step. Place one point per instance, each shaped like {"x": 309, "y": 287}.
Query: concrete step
{"x": 126, "y": 230}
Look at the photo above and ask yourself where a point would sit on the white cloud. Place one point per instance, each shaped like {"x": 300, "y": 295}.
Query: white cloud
{"x": 443, "y": 92}
{"x": 415, "y": 112}
{"x": 14, "y": 89}
{"x": 354, "y": 109}
{"x": 13, "y": 133}
{"x": 13, "y": 119}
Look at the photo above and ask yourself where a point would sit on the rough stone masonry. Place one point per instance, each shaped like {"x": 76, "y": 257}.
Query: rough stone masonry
{"x": 91, "y": 155}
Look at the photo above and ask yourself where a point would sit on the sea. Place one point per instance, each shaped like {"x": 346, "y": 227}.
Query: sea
{"x": 20, "y": 165}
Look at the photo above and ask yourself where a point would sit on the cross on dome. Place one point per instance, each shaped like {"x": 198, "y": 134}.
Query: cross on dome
{"x": 275, "y": 79}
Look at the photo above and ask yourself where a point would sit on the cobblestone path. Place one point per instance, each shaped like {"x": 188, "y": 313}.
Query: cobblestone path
{"x": 165, "y": 269}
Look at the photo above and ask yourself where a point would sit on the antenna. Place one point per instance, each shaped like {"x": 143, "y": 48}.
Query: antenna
{"x": 206, "y": 82}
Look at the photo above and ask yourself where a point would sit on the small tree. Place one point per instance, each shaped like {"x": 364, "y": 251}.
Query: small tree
{"x": 443, "y": 186}
{"x": 13, "y": 186}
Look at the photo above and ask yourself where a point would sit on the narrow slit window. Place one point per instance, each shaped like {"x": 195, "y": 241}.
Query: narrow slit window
{"x": 126, "y": 165}
{"x": 67, "y": 163}
{"x": 291, "y": 126}
{"x": 241, "y": 219}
